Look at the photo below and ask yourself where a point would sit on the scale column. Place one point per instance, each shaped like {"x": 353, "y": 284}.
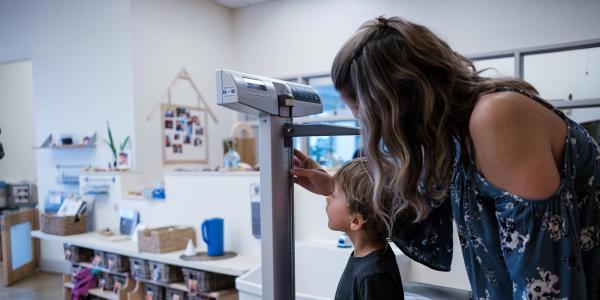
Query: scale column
{"x": 276, "y": 209}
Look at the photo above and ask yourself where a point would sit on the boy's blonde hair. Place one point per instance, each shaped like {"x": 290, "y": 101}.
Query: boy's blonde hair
{"x": 356, "y": 183}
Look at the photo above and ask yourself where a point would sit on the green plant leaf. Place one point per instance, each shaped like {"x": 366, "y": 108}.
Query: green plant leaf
{"x": 124, "y": 143}
{"x": 111, "y": 143}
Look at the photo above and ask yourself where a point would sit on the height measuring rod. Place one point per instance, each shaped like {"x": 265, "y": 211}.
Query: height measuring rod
{"x": 275, "y": 102}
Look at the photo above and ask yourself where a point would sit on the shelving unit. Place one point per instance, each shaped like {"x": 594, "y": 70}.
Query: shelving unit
{"x": 125, "y": 293}
{"x": 47, "y": 144}
{"x": 134, "y": 289}
{"x": 234, "y": 266}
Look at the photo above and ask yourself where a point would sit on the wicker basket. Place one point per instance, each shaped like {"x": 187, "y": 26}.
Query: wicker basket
{"x": 174, "y": 294}
{"x": 99, "y": 259}
{"x": 165, "y": 239}
{"x": 53, "y": 224}
{"x": 74, "y": 270}
{"x": 202, "y": 281}
{"x": 116, "y": 262}
{"x": 154, "y": 292}
{"x": 106, "y": 282}
{"x": 164, "y": 273}
{"x": 77, "y": 254}
{"x": 139, "y": 268}
{"x": 118, "y": 283}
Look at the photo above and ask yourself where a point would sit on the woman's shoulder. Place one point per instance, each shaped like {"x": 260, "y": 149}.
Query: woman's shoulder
{"x": 517, "y": 142}
{"x": 497, "y": 109}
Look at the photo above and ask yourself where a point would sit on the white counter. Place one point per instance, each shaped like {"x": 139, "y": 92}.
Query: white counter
{"x": 235, "y": 266}
{"x": 212, "y": 174}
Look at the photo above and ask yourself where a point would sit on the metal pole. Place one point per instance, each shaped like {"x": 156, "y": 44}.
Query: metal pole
{"x": 276, "y": 209}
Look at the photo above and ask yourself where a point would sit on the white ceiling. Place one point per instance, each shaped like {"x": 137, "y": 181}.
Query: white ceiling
{"x": 233, "y": 4}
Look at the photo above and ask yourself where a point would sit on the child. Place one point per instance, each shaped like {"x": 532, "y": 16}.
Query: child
{"x": 371, "y": 271}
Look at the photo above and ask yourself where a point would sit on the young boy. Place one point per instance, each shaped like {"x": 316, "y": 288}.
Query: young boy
{"x": 371, "y": 271}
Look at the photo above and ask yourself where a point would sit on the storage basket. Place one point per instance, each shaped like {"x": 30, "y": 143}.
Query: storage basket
{"x": 228, "y": 294}
{"x": 77, "y": 254}
{"x": 201, "y": 281}
{"x": 106, "y": 282}
{"x": 3, "y": 194}
{"x": 139, "y": 268}
{"x": 116, "y": 262}
{"x": 99, "y": 259}
{"x": 118, "y": 283}
{"x": 154, "y": 292}
{"x": 165, "y": 239}
{"x": 74, "y": 270}
{"x": 53, "y": 224}
{"x": 164, "y": 273}
{"x": 174, "y": 294}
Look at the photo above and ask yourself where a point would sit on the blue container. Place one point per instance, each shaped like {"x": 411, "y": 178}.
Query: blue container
{"x": 3, "y": 194}
{"x": 212, "y": 234}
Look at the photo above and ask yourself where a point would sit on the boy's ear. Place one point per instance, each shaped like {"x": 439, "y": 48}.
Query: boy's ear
{"x": 357, "y": 221}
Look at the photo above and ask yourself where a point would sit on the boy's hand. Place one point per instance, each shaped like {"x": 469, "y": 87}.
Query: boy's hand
{"x": 309, "y": 175}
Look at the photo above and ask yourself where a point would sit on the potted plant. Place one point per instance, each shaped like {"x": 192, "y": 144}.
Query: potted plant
{"x": 111, "y": 144}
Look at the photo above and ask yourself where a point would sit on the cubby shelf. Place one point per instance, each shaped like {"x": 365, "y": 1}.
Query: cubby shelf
{"x": 135, "y": 289}
{"x": 127, "y": 292}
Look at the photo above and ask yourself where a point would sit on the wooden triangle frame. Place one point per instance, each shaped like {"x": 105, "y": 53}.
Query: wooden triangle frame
{"x": 200, "y": 101}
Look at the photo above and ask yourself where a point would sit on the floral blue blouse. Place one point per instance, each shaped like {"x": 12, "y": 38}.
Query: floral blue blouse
{"x": 530, "y": 249}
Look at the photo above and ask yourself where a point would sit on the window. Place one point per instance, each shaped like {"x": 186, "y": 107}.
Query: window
{"x": 498, "y": 67}
{"x": 331, "y": 151}
{"x": 557, "y": 75}
{"x": 332, "y": 103}
{"x": 567, "y": 74}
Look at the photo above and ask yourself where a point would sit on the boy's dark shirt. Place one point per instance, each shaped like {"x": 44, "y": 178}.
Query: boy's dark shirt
{"x": 374, "y": 276}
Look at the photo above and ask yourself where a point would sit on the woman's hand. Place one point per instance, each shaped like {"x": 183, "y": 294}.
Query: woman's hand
{"x": 315, "y": 180}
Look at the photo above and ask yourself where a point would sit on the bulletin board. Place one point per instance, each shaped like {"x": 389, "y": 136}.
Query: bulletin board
{"x": 184, "y": 134}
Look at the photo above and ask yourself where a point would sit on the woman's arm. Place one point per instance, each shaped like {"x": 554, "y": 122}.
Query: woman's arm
{"x": 518, "y": 144}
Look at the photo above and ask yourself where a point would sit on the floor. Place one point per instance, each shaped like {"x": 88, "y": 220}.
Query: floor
{"x": 39, "y": 286}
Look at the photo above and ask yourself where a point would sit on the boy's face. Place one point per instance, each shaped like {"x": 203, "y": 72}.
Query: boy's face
{"x": 337, "y": 211}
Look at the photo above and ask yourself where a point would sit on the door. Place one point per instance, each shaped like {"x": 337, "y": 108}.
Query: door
{"x": 20, "y": 251}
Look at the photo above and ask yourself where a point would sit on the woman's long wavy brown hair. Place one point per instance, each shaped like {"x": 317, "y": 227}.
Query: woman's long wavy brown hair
{"x": 414, "y": 97}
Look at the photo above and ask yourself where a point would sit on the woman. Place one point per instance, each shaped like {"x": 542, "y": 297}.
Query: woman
{"x": 518, "y": 177}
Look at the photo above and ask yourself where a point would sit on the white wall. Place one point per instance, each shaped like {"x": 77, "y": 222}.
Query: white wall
{"x": 17, "y": 122}
{"x": 82, "y": 74}
{"x": 192, "y": 197}
{"x": 300, "y": 37}
{"x": 169, "y": 35}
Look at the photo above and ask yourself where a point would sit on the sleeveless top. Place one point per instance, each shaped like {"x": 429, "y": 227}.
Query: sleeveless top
{"x": 514, "y": 246}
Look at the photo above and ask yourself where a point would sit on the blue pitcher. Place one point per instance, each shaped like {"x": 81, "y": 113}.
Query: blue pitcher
{"x": 212, "y": 234}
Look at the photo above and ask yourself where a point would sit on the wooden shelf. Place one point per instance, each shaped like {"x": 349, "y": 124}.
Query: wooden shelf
{"x": 175, "y": 285}
{"x": 66, "y": 147}
{"x": 104, "y": 294}
{"x": 47, "y": 144}
{"x": 97, "y": 292}
{"x": 123, "y": 294}
{"x": 234, "y": 266}
{"x": 104, "y": 270}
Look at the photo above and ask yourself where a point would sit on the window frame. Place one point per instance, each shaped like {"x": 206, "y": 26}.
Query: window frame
{"x": 519, "y": 69}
